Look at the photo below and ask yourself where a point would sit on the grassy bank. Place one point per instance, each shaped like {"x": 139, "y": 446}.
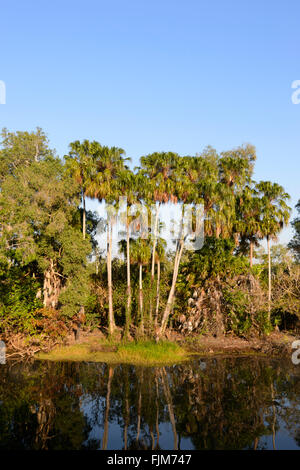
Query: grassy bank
{"x": 149, "y": 353}
{"x": 145, "y": 353}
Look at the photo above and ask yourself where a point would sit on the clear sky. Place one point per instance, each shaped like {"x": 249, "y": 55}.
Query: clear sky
{"x": 158, "y": 75}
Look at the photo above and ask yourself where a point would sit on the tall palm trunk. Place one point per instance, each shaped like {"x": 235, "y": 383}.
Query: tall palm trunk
{"x": 269, "y": 277}
{"x": 141, "y": 297}
{"x": 172, "y": 290}
{"x": 153, "y": 262}
{"x": 128, "y": 309}
{"x": 111, "y": 321}
{"x": 157, "y": 293}
{"x": 251, "y": 253}
{"x": 83, "y": 216}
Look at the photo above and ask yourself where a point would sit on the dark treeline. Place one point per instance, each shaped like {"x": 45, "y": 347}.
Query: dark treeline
{"x": 51, "y": 263}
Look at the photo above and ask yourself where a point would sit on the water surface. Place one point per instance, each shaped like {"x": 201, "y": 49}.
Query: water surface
{"x": 214, "y": 403}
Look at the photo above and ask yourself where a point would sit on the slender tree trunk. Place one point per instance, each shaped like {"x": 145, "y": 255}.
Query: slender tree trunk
{"x": 111, "y": 321}
{"x": 269, "y": 276}
{"x": 128, "y": 309}
{"x": 141, "y": 297}
{"x": 172, "y": 290}
{"x": 251, "y": 253}
{"x": 153, "y": 262}
{"x": 83, "y": 216}
{"x": 97, "y": 262}
{"x": 157, "y": 293}
{"x": 105, "y": 431}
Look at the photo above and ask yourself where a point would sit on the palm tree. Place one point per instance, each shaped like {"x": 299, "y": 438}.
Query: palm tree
{"x": 127, "y": 183}
{"x": 235, "y": 172}
{"x": 157, "y": 169}
{"x": 110, "y": 162}
{"x": 140, "y": 254}
{"x": 80, "y": 164}
{"x": 159, "y": 258}
{"x": 185, "y": 190}
{"x": 248, "y": 223}
{"x": 274, "y": 214}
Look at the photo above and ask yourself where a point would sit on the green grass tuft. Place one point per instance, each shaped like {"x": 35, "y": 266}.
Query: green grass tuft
{"x": 146, "y": 353}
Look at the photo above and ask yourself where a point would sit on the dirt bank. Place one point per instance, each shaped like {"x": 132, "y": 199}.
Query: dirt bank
{"x": 96, "y": 347}
{"x": 276, "y": 344}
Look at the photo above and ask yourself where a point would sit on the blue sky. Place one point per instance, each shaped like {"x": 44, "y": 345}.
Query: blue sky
{"x": 158, "y": 75}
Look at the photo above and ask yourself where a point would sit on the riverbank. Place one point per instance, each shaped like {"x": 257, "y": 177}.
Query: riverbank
{"x": 95, "y": 347}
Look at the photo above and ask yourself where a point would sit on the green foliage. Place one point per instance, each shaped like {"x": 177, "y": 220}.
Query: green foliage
{"x": 295, "y": 242}
{"x": 48, "y": 240}
{"x": 19, "y": 302}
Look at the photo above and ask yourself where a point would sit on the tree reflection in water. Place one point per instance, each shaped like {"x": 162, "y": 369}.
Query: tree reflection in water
{"x": 231, "y": 403}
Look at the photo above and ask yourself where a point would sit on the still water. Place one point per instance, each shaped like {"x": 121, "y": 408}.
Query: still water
{"x": 224, "y": 403}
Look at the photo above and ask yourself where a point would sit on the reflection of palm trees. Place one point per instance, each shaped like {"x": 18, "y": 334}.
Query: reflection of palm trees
{"x": 157, "y": 411}
{"x": 45, "y": 415}
{"x": 165, "y": 383}
{"x": 274, "y": 417}
{"x": 105, "y": 432}
{"x": 233, "y": 404}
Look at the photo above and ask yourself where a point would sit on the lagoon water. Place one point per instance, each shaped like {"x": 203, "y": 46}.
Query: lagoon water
{"x": 213, "y": 403}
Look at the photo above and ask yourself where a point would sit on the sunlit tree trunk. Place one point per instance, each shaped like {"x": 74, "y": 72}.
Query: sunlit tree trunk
{"x": 269, "y": 276}
{"x": 111, "y": 322}
{"x": 141, "y": 297}
{"x": 251, "y": 253}
{"x": 157, "y": 293}
{"x": 153, "y": 262}
{"x": 128, "y": 308}
{"x": 83, "y": 216}
{"x": 172, "y": 290}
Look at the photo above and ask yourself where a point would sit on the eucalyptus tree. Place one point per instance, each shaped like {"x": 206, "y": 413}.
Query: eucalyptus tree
{"x": 158, "y": 170}
{"x": 20, "y": 149}
{"x": 274, "y": 214}
{"x": 40, "y": 226}
{"x": 80, "y": 163}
